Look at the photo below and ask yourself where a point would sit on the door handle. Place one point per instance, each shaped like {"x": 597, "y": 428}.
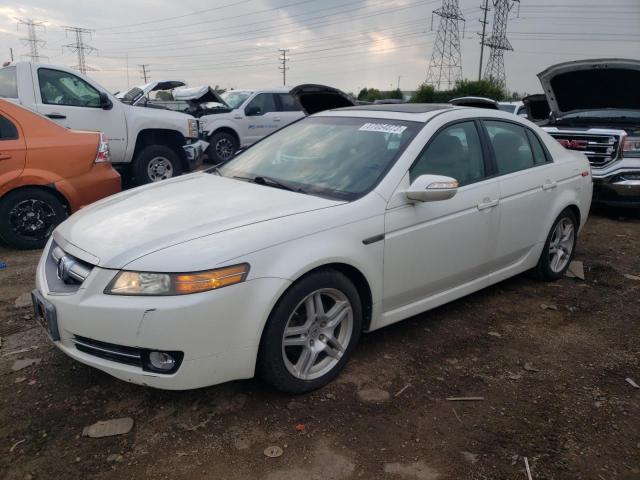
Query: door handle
{"x": 56, "y": 115}
{"x": 276, "y": 119}
{"x": 5, "y": 156}
{"x": 237, "y": 118}
{"x": 549, "y": 185}
{"x": 487, "y": 204}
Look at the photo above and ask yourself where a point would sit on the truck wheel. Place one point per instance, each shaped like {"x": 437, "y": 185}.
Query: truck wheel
{"x": 222, "y": 147}
{"x": 28, "y": 217}
{"x": 155, "y": 163}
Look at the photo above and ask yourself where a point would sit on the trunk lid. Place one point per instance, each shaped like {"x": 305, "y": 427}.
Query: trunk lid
{"x": 537, "y": 107}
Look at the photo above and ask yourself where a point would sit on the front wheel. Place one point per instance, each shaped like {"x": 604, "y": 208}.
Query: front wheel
{"x": 155, "y": 163}
{"x": 559, "y": 248}
{"x": 28, "y": 217}
{"x": 222, "y": 147}
{"x": 311, "y": 333}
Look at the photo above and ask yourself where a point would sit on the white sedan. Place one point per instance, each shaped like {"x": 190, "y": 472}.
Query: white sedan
{"x": 275, "y": 263}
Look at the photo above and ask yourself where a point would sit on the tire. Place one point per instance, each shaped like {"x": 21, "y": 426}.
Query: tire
{"x": 558, "y": 244}
{"x": 222, "y": 147}
{"x": 28, "y": 217}
{"x": 312, "y": 357}
{"x": 155, "y": 163}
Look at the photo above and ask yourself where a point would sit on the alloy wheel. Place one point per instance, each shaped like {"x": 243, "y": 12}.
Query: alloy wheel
{"x": 561, "y": 245}
{"x": 159, "y": 168}
{"x": 317, "y": 334}
{"x": 224, "y": 149}
{"x": 32, "y": 218}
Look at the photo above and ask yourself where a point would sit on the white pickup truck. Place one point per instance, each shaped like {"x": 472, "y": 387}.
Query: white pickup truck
{"x": 151, "y": 143}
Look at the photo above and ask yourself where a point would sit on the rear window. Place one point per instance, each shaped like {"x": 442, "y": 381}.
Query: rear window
{"x": 8, "y": 82}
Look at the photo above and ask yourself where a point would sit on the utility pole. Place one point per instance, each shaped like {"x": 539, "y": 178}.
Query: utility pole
{"x": 484, "y": 22}
{"x": 144, "y": 70}
{"x": 399, "y": 76}
{"x": 79, "y": 47}
{"x": 498, "y": 42}
{"x": 445, "y": 67}
{"x": 283, "y": 58}
{"x": 32, "y": 40}
{"x": 11, "y": 53}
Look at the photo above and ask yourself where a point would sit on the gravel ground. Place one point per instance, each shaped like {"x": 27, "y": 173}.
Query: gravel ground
{"x": 549, "y": 360}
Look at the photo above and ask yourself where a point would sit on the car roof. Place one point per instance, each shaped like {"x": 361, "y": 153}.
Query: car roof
{"x": 401, "y": 107}
{"x": 261, "y": 90}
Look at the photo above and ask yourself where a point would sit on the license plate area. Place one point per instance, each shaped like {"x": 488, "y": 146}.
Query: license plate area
{"x": 44, "y": 313}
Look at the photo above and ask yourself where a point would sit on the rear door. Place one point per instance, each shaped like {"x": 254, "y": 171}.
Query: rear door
{"x": 528, "y": 189}
{"x": 288, "y": 108}
{"x": 12, "y": 150}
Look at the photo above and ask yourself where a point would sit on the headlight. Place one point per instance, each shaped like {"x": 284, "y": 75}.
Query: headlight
{"x": 145, "y": 283}
{"x": 631, "y": 147}
{"x": 193, "y": 128}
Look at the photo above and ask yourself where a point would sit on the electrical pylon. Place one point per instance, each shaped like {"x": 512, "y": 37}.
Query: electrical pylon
{"x": 445, "y": 67}
{"x": 79, "y": 47}
{"x": 32, "y": 39}
{"x": 498, "y": 42}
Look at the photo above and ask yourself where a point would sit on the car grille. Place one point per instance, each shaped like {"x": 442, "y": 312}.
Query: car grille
{"x": 109, "y": 351}
{"x": 65, "y": 273}
{"x": 600, "y": 149}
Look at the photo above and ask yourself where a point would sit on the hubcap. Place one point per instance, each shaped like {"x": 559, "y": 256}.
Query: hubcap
{"x": 33, "y": 219}
{"x": 224, "y": 148}
{"x": 159, "y": 168}
{"x": 317, "y": 334}
{"x": 561, "y": 246}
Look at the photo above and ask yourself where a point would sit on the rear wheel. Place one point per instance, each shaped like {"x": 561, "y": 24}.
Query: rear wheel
{"x": 155, "y": 163}
{"x": 559, "y": 248}
{"x": 222, "y": 147}
{"x": 28, "y": 217}
{"x": 311, "y": 333}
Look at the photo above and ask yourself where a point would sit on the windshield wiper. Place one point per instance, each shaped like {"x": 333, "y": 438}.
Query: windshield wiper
{"x": 272, "y": 182}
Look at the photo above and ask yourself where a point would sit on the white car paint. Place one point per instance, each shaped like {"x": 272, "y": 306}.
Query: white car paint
{"x": 431, "y": 253}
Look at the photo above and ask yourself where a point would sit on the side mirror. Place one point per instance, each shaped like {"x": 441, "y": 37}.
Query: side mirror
{"x": 252, "y": 111}
{"x": 105, "y": 101}
{"x": 432, "y": 188}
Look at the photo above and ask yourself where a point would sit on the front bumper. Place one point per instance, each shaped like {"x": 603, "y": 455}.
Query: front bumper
{"x": 218, "y": 331}
{"x": 194, "y": 153}
{"x": 618, "y": 185}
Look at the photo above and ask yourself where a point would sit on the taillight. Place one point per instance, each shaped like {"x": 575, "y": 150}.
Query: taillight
{"x": 103, "y": 154}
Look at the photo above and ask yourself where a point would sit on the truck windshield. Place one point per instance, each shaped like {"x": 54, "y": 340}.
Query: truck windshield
{"x": 8, "y": 82}
{"x": 235, "y": 99}
{"x": 132, "y": 95}
{"x": 334, "y": 157}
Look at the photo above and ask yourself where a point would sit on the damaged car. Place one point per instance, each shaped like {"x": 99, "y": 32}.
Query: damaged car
{"x": 594, "y": 108}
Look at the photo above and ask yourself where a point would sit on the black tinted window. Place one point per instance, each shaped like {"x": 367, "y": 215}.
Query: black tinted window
{"x": 63, "y": 88}
{"x": 8, "y": 82}
{"x": 261, "y": 104}
{"x": 287, "y": 103}
{"x": 8, "y": 130}
{"x": 538, "y": 152}
{"x": 455, "y": 152}
{"x": 510, "y": 146}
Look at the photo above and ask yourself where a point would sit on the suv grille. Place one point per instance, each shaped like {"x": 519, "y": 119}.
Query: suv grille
{"x": 600, "y": 149}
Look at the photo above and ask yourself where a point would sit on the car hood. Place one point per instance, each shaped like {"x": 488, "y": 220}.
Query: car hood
{"x": 592, "y": 85}
{"x": 119, "y": 229}
{"x": 196, "y": 95}
{"x": 317, "y": 98}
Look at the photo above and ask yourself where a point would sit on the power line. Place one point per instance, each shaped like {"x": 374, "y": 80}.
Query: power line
{"x": 146, "y": 74}
{"x": 498, "y": 42}
{"x": 32, "y": 40}
{"x": 284, "y": 67}
{"x": 445, "y": 66}
{"x": 80, "y": 47}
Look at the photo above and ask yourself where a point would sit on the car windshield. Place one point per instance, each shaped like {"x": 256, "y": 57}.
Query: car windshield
{"x": 334, "y": 157}
{"x": 235, "y": 99}
{"x": 507, "y": 108}
{"x": 132, "y": 95}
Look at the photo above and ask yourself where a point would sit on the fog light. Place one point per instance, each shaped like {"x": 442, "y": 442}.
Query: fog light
{"x": 162, "y": 361}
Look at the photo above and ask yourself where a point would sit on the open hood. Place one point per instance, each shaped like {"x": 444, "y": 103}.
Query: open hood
{"x": 475, "y": 102}
{"x": 592, "y": 85}
{"x": 537, "y": 107}
{"x": 317, "y": 98}
{"x": 136, "y": 94}
{"x": 197, "y": 95}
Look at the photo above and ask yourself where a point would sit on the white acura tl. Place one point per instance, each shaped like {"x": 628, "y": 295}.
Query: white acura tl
{"x": 275, "y": 262}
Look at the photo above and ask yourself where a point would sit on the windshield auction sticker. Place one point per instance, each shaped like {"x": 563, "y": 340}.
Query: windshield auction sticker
{"x": 383, "y": 128}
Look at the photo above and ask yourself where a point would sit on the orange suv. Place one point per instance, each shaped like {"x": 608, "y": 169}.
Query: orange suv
{"x": 46, "y": 173}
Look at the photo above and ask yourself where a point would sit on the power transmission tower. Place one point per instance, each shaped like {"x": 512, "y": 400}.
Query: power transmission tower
{"x": 445, "y": 67}
{"x": 283, "y": 58}
{"x": 144, "y": 71}
{"x": 32, "y": 39}
{"x": 79, "y": 47}
{"x": 498, "y": 42}
{"x": 485, "y": 8}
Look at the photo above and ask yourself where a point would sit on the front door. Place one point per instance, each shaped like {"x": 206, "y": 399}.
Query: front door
{"x": 74, "y": 103}
{"x": 436, "y": 251}
{"x": 262, "y": 117}
{"x": 12, "y": 150}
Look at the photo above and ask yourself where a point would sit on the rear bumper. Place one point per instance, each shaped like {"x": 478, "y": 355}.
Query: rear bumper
{"x": 194, "y": 153}
{"x": 619, "y": 186}
{"x": 99, "y": 182}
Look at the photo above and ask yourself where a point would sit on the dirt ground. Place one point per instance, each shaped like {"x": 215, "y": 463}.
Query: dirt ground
{"x": 550, "y": 361}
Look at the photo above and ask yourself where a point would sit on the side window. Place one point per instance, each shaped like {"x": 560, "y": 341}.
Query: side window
{"x": 8, "y": 130}
{"x": 455, "y": 152}
{"x": 510, "y": 146}
{"x": 539, "y": 156}
{"x": 286, "y": 103}
{"x": 261, "y": 104}
{"x": 8, "y": 82}
{"x": 62, "y": 88}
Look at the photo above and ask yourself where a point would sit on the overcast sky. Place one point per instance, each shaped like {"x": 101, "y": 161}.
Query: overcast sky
{"x": 349, "y": 43}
